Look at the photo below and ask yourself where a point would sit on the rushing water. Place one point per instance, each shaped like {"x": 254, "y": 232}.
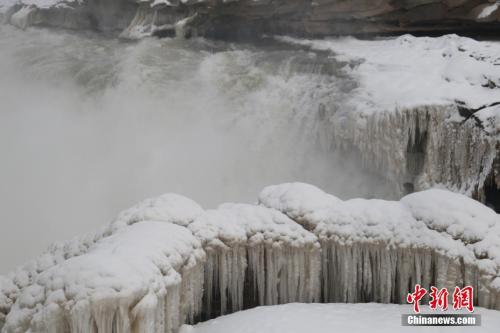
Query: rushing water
{"x": 90, "y": 124}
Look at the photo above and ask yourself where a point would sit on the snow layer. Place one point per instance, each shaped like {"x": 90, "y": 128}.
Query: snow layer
{"x": 327, "y": 318}
{"x": 410, "y": 71}
{"x": 166, "y": 261}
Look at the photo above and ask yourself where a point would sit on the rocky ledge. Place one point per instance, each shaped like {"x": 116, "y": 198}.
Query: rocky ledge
{"x": 247, "y": 18}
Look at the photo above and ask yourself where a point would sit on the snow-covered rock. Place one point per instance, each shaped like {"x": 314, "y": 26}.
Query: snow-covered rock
{"x": 424, "y": 111}
{"x": 145, "y": 278}
{"x": 374, "y": 249}
{"x": 166, "y": 261}
{"x": 256, "y": 255}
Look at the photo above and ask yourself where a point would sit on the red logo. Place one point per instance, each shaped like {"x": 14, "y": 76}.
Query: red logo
{"x": 439, "y": 299}
{"x": 462, "y": 298}
{"x": 415, "y": 297}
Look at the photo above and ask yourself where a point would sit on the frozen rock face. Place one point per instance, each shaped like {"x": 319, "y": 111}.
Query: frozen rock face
{"x": 166, "y": 261}
{"x": 243, "y": 18}
{"x": 424, "y": 111}
{"x": 372, "y": 250}
{"x": 419, "y": 147}
{"x": 256, "y": 256}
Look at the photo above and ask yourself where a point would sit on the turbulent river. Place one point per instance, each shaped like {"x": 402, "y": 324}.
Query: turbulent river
{"x": 90, "y": 124}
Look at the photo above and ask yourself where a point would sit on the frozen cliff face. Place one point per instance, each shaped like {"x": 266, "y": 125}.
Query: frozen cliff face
{"x": 374, "y": 249}
{"x": 425, "y": 111}
{"x": 256, "y": 256}
{"x": 254, "y": 17}
{"x": 166, "y": 262}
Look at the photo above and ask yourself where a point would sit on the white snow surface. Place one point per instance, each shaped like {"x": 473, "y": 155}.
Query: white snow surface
{"x": 410, "y": 71}
{"x": 238, "y": 223}
{"x": 327, "y": 318}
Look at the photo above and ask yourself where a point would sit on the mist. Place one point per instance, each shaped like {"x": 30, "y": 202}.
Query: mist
{"x": 90, "y": 125}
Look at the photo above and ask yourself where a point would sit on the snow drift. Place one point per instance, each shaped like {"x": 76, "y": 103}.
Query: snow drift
{"x": 166, "y": 262}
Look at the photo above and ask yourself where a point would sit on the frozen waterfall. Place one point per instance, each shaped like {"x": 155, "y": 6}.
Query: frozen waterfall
{"x": 166, "y": 261}
{"x": 218, "y": 121}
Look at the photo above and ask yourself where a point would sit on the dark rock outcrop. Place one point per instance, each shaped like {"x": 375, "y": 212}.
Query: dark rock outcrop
{"x": 249, "y": 18}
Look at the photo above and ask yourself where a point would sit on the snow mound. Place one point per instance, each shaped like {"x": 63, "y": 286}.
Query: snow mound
{"x": 239, "y": 223}
{"x": 170, "y": 207}
{"x": 433, "y": 218}
{"x": 297, "y": 200}
{"x": 327, "y": 318}
{"x": 124, "y": 275}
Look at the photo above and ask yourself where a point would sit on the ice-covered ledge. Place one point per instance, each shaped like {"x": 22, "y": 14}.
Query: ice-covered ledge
{"x": 421, "y": 111}
{"x": 166, "y": 261}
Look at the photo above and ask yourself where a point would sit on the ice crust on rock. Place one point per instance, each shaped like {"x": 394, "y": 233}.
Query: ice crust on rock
{"x": 171, "y": 208}
{"x": 166, "y": 261}
{"x": 374, "y": 249}
{"x": 256, "y": 256}
{"x": 132, "y": 275}
{"x": 422, "y": 113}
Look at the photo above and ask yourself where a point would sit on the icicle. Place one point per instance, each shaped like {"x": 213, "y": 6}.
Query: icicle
{"x": 82, "y": 321}
{"x": 103, "y": 310}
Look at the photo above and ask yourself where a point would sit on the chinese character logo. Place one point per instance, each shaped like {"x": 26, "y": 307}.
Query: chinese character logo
{"x": 415, "y": 297}
{"x": 463, "y": 298}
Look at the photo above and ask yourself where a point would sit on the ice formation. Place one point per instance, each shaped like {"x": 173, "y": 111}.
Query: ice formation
{"x": 373, "y": 250}
{"x": 424, "y": 112}
{"x": 256, "y": 256}
{"x": 166, "y": 261}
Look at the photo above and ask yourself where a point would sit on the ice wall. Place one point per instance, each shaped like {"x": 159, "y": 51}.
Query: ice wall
{"x": 375, "y": 250}
{"x": 256, "y": 256}
{"x": 166, "y": 261}
{"x": 419, "y": 147}
{"x": 415, "y": 126}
